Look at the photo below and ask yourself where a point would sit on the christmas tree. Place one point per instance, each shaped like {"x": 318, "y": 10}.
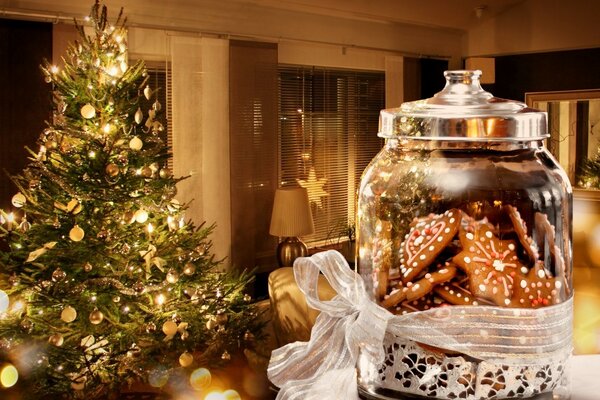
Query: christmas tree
{"x": 590, "y": 173}
{"x": 104, "y": 283}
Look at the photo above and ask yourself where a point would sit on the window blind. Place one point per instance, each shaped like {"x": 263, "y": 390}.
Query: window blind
{"x": 159, "y": 79}
{"x": 328, "y": 121}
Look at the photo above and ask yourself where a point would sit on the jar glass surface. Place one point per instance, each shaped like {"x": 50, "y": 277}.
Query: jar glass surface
{"x": 470, "y": 223}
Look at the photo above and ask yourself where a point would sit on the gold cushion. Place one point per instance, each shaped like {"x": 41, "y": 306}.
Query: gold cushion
{"x": 292, "y": 319}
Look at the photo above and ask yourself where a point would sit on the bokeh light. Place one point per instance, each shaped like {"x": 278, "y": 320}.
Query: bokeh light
{"x": 158, "y": 377}
{"x": 215, "y": 396}
{"x": 9, "y": 376}
{"x": 200, "y": 379}
{"x": 3, "y": 301}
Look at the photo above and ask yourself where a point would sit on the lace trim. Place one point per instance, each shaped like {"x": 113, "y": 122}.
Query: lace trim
{"x": 410, "y": 368}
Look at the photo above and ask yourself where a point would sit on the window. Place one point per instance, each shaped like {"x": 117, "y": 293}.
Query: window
{"x": 159, "y": 79}
{"x": 328, "y": 120}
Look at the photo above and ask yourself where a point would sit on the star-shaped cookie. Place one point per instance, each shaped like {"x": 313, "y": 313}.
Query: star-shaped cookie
{"x": 491, "y": 264}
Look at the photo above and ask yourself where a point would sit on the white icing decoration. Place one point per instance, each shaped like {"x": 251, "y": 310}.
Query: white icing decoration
{"x": 523, "y": 284}
{"x": 470, "y": 236}
{"x": 482, "y": 287}
{"x": 541, "y": 273}
{"x": 488, "y": 234}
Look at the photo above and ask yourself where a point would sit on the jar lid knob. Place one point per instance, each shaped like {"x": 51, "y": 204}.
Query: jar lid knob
{"x": 463, "y": 87}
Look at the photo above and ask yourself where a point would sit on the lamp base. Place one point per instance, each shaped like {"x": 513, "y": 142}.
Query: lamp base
{"x": 289, "y": 249}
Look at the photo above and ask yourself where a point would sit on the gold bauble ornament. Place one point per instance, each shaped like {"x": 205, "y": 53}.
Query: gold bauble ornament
{"x": 147, "y": 172}
{"x": 222, "y": 319}
{"x": 139, "y": 116}
{"x": 169, "y": 328}
{"x": 88, "y": 111}
{"x": 189, "y": 269}
{"x": 96, "y": 317}
{"x": 112, "y": 170}
{"x": 88, "y": 267}
{"x": 172, "y": 276}
{"x": 78, "y": 383}
{"x": 19, "y": 200}
{"x": 200, "y": 379}
{"x": 76, "y": 234}
{"x": 68, "y": 314}
{"x": 136, "y": 143}
{"x": 141, "y": 216}
{"x": 231, "y": 394}
{"x": 56, "y": 340}
{"x": 165, "y": 173}
{"x": 147, "y": 92}
{"x": 26, "y": 325}
{"x": 186, "y": 359}
{"x": 211, "y": 323}
{"x": 58, "y": 275}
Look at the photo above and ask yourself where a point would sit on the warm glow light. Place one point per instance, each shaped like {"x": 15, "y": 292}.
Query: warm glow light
{"x": 107, "y": 128}
{"x": 113, "y": 70}
{"x": 4, "y": 302}
{"x": 9, "y": 376}
{"x": 231, "y": 395}
{"x": 18, "y": 306}
{"x": 181, "y": 223}
{"x": 54, "y": 69}
{"x": 92, "y": 154}
{"x": 160, "y": 299}
{"x": 10, "y": 218}
{"x": 215, "y": 396}
{"x": 150, "y": 228}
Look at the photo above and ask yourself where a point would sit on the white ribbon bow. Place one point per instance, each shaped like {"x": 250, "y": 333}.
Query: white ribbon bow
{"x": 325, "y": 367}
{"x": 347, "y": 323}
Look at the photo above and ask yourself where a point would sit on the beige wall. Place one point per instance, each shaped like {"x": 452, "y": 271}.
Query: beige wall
{"x": 537, "y": 26}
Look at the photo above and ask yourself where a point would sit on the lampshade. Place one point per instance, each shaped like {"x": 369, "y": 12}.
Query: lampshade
{"x": 291, "y": 213}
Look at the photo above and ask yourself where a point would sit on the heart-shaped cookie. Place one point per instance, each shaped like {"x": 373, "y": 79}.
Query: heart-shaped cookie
{"x": 426, "y": 239}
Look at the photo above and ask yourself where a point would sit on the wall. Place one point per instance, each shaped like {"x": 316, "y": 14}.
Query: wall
{"x": 536, "y": 26}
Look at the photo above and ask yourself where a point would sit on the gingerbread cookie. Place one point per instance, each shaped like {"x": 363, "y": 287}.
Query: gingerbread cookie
{"x": 520, "y": 227}
{"x": 537, "y": 289}
{"x": 455, "y": 295}
{"x": 414, "y": 291}
{"x": 490, "y": 263}
{"x": 546, "y": 238}
{"x": 426, "y": 239}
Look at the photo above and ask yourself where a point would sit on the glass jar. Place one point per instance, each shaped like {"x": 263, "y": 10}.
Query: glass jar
{"x": 464, "y": 207}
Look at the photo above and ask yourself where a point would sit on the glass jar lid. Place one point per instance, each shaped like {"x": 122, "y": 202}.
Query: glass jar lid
{"x": 464, "y": 111}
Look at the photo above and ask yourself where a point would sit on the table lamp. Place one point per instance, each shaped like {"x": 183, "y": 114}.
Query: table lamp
{"x": 291, "y": 218}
